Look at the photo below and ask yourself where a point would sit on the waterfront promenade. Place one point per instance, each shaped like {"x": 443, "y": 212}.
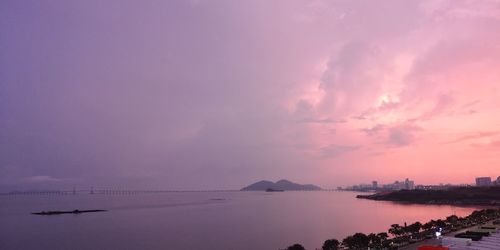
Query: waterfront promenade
{"x": 437, "y": 242}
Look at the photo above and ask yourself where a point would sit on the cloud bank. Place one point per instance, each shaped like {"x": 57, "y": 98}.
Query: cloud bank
{"x": 217, "y": 94}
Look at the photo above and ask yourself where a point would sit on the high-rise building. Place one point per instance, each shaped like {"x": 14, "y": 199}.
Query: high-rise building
{"x": 410, "y": 185}
{"x": 483, "y": 181}
{"x": 375, "y": 184}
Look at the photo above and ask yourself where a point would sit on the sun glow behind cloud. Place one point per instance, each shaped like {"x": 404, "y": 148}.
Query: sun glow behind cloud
{"x": 215, "y": 94}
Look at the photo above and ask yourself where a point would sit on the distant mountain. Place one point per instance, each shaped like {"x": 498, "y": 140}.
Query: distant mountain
{"x": 279, "y": 185}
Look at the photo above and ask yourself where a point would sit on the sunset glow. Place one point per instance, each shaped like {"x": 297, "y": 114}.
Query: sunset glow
{"x": 213, "y": 94}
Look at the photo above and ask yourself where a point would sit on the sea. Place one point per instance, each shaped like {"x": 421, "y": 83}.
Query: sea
{"x": 201, "y": 220}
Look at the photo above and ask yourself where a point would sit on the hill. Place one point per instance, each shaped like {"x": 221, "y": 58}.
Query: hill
{"x": 279, "y": 185}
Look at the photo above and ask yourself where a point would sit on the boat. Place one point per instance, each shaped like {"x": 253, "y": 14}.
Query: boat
{"x": 274, "y": 190}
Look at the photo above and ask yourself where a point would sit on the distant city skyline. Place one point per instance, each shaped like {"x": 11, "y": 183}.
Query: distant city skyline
{"x": 218, "y": 94}
{"x": 411, "y": 184}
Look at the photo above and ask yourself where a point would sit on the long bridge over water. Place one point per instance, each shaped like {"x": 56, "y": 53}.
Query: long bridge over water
{"x": 92, "y": 191}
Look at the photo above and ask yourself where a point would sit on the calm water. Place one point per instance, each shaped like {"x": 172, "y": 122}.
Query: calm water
{"x": 241, "y": 220}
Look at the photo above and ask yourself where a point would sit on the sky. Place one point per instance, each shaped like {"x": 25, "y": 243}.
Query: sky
{"x": 214, "y": 94}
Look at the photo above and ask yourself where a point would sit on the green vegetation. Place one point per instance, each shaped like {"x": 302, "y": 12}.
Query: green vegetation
{"x": 407, "y": 234}
{"x": 279, "y": 185}
{"x": 459, "y": 195}
{"x": 331, "y": 244}
{"x": 296, "y": 247}
{"x": 356, "y": 241}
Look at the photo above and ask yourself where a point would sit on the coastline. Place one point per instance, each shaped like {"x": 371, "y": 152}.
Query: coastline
{"x": 412, "y": 236}
{"x": 436, "y": 241}
{"x": 495, "y": 204}
{"x": 468, "y": 196}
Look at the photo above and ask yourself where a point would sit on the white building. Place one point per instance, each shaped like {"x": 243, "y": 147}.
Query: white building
{"x": 410, "y": 185}
{"x": 399, "y": 185}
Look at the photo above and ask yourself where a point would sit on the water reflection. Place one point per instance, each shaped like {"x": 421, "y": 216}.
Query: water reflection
{"x": 232, "y": 220}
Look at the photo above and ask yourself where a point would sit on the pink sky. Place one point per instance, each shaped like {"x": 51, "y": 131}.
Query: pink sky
{"x": 218, "y": 94}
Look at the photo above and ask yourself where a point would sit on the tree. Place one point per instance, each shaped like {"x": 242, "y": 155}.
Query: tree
{"x": 383, "y": 236}
{"x": 331, "y": 244}
{"x": 428, "y": 226}
{"x": 452, "y": 220}
{"x": 375, "y": 241}
{"x": 385, "y": 243}
{"x": 414, "y": 228}
{"x": 440, "y": 223}
{"x": 357, "y": 241}
{"x": 296, "y": 247}
{"x": 396, "y": 230}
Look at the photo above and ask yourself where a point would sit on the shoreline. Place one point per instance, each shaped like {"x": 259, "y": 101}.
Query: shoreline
{"x": 462, "y": 196}
{"x": 410, "y": 237}
{"x": 494, "y": 204}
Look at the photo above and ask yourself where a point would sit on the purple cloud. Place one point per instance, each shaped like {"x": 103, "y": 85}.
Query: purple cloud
{"x": 402, "y": 135}
{"x": 334, "y": 150}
